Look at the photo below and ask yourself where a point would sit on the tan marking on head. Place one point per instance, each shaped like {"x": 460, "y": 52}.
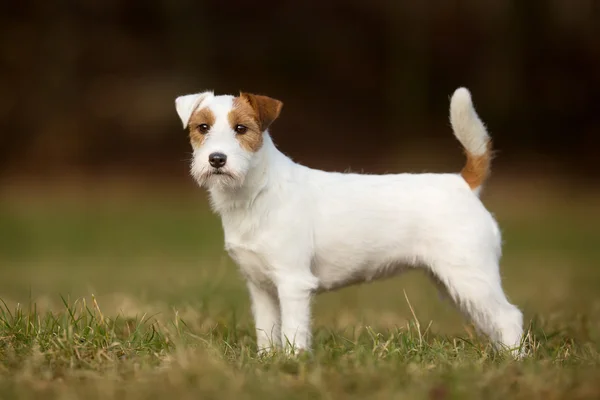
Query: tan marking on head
{"x": 477, "y": 168}
{"x": 256, "y": 113}
{"x": 202, "y": 116}
{"x": 265, "y": 108}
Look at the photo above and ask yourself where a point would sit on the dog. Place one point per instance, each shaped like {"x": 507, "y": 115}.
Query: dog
{"x": 296, "y": 231}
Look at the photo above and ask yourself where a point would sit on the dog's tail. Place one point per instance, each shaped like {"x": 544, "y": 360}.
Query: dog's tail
{"x": 471, "y": 133}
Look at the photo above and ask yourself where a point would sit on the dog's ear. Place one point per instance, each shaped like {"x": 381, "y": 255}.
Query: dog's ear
{"x": 266, "y": 108}
{"x": 186, "y": 105}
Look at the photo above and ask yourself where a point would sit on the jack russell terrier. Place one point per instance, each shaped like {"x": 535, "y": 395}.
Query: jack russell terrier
{"x": 296, "y": 231}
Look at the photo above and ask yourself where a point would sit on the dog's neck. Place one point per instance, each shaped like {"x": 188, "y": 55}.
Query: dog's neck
{"x": 257, "y": 180}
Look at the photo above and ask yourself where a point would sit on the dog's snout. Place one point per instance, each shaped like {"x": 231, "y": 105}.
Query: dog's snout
{"x": 217, "y": 160}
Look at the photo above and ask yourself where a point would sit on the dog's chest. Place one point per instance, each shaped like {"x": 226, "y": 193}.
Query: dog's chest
{"x": 246, "y": 249}
{"x": 252, "y": 265}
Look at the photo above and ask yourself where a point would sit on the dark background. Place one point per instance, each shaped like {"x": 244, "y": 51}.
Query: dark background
{"x": 88, "y": 87}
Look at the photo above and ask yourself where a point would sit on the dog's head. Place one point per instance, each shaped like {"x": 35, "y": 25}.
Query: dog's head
{"x": 226, "y": 132}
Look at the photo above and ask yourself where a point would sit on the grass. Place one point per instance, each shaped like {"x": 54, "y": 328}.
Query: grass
{"x": 80, "y": 352}
{"x": 134, "y": 298}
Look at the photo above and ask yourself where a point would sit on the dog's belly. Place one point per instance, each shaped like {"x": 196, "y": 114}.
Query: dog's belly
{"x": 338, "y": 273}
{"x": 348, "y": 253}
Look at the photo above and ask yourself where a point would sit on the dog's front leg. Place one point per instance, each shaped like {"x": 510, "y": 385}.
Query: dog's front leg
{"x": 267, "y": 317}
{"x": 295, "y": 297}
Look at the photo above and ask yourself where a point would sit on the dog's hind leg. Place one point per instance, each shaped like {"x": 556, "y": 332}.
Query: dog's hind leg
{"x": 477, "y": 291}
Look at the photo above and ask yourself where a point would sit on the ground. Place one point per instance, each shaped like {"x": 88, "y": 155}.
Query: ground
{"x": 130, "y": 295}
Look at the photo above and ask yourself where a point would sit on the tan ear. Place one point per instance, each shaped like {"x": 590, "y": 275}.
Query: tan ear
{"x": 266, "y": 108}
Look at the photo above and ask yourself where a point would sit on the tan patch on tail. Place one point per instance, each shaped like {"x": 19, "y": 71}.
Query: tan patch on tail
{"x": 477, "y": 168}
{"x": 256, "y": 113}
{"x": 202, "y": 116}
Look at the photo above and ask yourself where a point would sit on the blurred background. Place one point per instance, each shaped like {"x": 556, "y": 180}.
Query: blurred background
{"x": 94, "y": 185}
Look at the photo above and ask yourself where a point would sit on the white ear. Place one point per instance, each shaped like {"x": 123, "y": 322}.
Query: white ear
{"x": 186, "y": 105}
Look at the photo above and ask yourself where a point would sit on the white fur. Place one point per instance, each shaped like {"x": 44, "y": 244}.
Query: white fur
{"x": 186, "y": 105}
{"x": 467, "y": 127}
{"x": 296, "y": 231}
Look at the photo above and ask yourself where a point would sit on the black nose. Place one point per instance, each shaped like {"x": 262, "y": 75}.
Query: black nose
{"x": 217, "y": 160}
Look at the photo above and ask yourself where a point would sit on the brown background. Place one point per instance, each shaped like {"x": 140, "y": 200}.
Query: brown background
{"x": 88, "y": 87}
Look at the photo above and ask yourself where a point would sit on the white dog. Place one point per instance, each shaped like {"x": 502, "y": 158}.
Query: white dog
{"x": 296, "y": 231}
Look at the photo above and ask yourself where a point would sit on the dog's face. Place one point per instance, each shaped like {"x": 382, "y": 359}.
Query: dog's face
{"x": 225, "y": 133}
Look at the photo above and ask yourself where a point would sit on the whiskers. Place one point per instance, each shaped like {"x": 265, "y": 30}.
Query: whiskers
{"x": 189, "y": 159}
{"x": 209, "y": 177}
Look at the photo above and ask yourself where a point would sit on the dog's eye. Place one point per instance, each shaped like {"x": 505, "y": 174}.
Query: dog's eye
{"x": 241, "y": 129}
{"x": 203, "y": 128}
